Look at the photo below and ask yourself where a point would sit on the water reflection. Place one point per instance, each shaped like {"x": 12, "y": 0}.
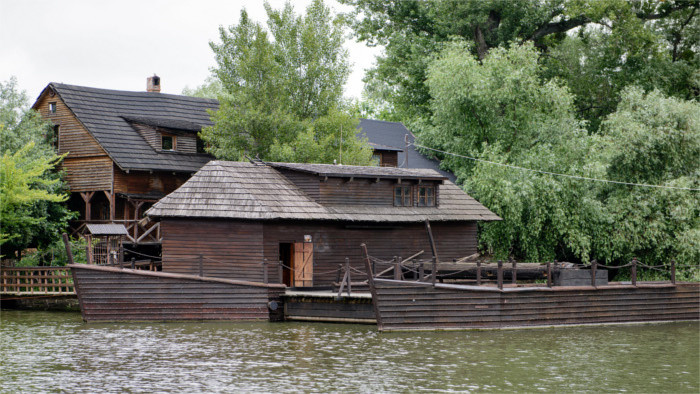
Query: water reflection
{"x": 57, "y": 352}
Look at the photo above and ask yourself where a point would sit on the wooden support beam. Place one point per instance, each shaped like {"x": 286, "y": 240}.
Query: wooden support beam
{"x": 87, "y": 196}
{"x": 110, "y": 197}
{"x": 436, "y": 260}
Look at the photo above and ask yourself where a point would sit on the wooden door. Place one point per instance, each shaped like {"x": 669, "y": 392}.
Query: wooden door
{"x": 303, "y": 264}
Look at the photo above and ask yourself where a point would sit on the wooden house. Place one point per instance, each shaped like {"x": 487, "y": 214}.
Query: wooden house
{"x": 392, "y": 146}
{"x": 230, "y": 217}
{"x": 125, "y": 150}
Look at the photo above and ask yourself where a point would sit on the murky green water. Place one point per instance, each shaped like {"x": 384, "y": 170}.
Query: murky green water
{"x": 53, "y": 352}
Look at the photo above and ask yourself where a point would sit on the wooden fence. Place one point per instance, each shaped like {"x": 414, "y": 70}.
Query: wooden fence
{"x": 36, "y": 281}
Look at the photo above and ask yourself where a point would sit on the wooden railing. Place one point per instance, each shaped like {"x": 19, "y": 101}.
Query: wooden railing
{"x": 36, "y": 281}
{"x": 139, "y": 231}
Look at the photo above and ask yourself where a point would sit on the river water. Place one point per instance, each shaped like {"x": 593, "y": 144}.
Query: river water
{"x": 57, "y": 352}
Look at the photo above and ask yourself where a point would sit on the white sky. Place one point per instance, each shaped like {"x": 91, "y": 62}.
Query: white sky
{"x": 118, "y": 44}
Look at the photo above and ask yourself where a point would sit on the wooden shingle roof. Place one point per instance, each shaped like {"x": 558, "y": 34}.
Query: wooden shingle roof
{"x": 242, "y": 190}
{"x": 106, "y": 114}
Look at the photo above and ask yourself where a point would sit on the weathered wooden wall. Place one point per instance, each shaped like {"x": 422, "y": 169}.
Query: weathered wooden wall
{"x": 308, "y": 183}
{"x": 87, "y": 165}
{"x": 143, "y": 182}
{"x": 114, "y": 294}
{"x": 407, "y": 306}
{"x": 390, "y": 159}
{"x": 333, "y": 242}
{"x": 186, "y": 142}
{"x": 231, "y": 249}
{"x": 362, "y": 191}
{"x": 239, "y": 247}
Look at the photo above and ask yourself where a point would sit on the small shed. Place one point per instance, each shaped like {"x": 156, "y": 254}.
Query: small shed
{"x": 105, "y": 243}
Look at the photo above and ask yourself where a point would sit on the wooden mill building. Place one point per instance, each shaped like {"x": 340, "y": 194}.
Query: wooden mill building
{"x": 125, "y": 150}
{"x": 231, "y": 216}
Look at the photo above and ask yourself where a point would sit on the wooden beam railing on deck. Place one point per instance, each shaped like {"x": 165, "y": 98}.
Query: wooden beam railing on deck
{"x": 36, "y": 281}
{"x": 139, "y": 231}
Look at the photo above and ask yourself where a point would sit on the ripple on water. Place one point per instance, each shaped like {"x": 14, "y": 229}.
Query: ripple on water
{"x": 58, "y": 352}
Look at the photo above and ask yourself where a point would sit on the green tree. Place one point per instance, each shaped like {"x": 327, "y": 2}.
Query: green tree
{"x": 31, "y": 192}
{"x": 651, "y": 139}
{"x": 283, "y": 87}
{"x": 653, "y": 44}
{"x": 501, "y": 111}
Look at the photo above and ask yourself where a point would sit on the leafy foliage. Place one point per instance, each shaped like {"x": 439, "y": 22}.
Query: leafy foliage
{"x": 597, "y": 47}
{"x": 31, "y": 192}
{"x": 283, "y": 91}
{"x": 502, "y": 110}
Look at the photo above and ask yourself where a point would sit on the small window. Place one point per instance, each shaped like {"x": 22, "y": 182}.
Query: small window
{"x": 54, "y": 141}
{"x": 52, "y": 108}
{"x": 426, "y": 196}
{"x": 167, "y": 142}
{"x": 402, "y": 196}
{"x": 377, "y": 158}
{"x": 201, "y": 146}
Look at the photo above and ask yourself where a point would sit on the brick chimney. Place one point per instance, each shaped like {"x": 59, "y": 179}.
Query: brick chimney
{"x": 153, "y": 84}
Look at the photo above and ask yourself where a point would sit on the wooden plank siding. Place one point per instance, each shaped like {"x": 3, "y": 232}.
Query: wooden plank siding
{"x": 88, "y": 173}
{"x": 231, "y": 249}
{"x": 362, "y": 191}
{"x": 235, "y": 249}
{"x": 74, "y": 139}
{"x": 87, "y": 165}
{"x": 185, "y": 142}
{"x": 418, "y": 306}
{"x": 333, "y": 242}
{"x": 142, "y": 182}
{"x": 308, "y": 183}
{"x": 115, "y": 294}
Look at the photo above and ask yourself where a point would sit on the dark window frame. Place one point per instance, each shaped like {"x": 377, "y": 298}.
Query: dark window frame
{"x": 405, "y": 194}
{"x": 426, "y": 199}
{"x": 52, "y": 107}
{"x": 173, "y": 142}
{"x": 56, "y": 134}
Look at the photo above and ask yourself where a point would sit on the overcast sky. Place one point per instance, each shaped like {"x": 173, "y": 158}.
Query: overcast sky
{"x": 118, "y": 44}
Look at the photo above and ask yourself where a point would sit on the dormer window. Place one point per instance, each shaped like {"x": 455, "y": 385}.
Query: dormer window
{"x": 402, "y": 196}
{"x": 167, "y": 142}
{"x": 426, "y": 196}
{"x": 52, "y": 108}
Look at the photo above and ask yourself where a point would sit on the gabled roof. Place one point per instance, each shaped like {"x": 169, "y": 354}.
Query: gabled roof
{"x": 242, "y": 190}
{"x": 393, "y": 134}
{"x": 106, "y": 229}
{"x": 106, "y": 114}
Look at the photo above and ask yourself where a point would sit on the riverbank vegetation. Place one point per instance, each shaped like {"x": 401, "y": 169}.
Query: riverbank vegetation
{"x": 280, "y": 90}
{"x": 32, "y": 194}
{"x": 603, "y": 90}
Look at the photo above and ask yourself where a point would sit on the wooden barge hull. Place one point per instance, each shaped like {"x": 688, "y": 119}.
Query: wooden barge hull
{"x": 406, "y": 306}
{"x": 108, "y": 294}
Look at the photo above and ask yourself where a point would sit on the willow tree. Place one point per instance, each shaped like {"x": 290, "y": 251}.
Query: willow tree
{"x": 283, "y": 86}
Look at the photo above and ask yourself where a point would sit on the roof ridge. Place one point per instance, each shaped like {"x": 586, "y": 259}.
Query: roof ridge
{"x": 132, "y": 92}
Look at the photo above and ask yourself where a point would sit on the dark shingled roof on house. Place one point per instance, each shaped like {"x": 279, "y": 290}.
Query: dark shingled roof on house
{"x": 242, "y": 190}
{"x": 106, "y": 114}
{"x": 393, "y": 134}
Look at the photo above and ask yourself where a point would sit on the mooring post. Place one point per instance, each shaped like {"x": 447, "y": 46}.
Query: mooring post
{"x": 673, "y": 271}
{"x": 69, "y": 252}
{"x": 133, "y": 263}
{"x": 397, "y": 269}
{"x": 280, "y": 271}
{"x": 500, "y": 274}
{"x": 549, "y": 274}
{"x": 634, "y": 271}
{"x": 515, "y": 272}
{"x": 594, "y": 267}
{"x": 201, "y": 265}
{"x": 421, "y": 271}
{"x": 478, "y": 273}
{"x": 347, "y": 270}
